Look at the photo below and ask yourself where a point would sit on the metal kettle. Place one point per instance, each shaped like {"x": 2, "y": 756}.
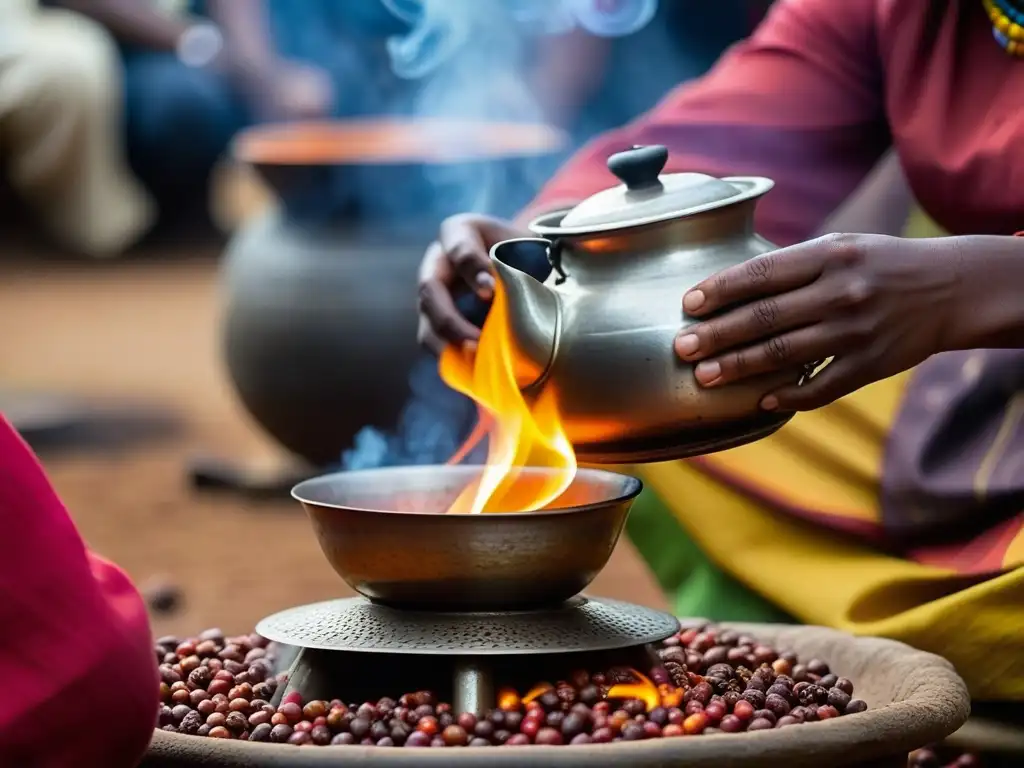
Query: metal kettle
{"x": 600, "y": 328}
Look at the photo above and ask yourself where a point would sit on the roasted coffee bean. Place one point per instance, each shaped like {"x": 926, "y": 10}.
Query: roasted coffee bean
{"x": 723, "y": 671}
{"x": 321, "y": 735}
{"x": 590, "y": 695}
{"x": 814, "y": 694}
{"x": 280, "y": 733}
{"x": 710, "y": 681}
{"x": 360, "y": 728}
{"x": 837, "y": 698}
{"x": 236, "y": 722}
{"x": 549, "y": 700}
{"x": 776, "y": 704}
{"x": 190, "y": 723}
{"x": 855, "y": 707}
{"x": 299, "y": 738}
{"x": 828, "y": 681}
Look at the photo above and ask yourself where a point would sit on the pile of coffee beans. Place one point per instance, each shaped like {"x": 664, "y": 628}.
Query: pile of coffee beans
{"x": 706, "y": 681}
{"x": 936, "y": 757}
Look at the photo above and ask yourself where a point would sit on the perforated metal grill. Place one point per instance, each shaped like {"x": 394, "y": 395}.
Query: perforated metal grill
{"x": 356, "y": 624}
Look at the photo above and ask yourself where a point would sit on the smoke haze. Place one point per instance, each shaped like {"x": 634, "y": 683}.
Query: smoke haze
{"x": 467, "y": 59}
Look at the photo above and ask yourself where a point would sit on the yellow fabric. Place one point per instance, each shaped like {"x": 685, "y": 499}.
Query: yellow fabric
{"x": 830, "y": 460}
{"x": 826, "y": 461}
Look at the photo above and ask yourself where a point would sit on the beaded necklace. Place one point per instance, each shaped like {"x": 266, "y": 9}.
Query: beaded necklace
{"x": 1007, "y": 25}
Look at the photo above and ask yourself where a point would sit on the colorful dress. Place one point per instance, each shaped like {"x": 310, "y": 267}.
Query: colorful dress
{"x": 897, "y": 510}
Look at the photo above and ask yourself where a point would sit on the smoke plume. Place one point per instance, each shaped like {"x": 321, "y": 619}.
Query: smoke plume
{"x": 467, "y": 59}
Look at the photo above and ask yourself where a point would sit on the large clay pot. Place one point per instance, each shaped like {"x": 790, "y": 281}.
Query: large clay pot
{"x": 915, "y": 699}
{"x": 320, "y": 328}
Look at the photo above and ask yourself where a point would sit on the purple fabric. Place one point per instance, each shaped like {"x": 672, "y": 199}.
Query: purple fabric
{"x": 954, "y": 461}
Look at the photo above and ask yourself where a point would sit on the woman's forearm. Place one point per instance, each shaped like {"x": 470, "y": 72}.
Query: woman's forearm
{"x": 988, "y": 311}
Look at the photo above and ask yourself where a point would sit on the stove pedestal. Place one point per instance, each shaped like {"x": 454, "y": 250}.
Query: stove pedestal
{"x": 461, "y": 655}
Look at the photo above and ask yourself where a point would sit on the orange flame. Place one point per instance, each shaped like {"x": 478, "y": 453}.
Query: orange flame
{"x": 644, "y": 689}
{"x": 522, "y": 433}
{"x": 480, "y": 430}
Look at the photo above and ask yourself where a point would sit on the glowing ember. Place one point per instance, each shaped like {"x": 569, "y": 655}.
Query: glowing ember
{"x": 523, "y": 433}
{"x": 670, "y": 696}
{"x": 644, "y": 689}
{"x": 508, "y": 700}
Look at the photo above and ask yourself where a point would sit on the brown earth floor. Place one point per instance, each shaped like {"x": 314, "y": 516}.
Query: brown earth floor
{"x": 147, "y": 329}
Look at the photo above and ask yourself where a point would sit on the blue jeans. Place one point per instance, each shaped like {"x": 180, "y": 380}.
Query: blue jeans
{"x": 179, "y": 120}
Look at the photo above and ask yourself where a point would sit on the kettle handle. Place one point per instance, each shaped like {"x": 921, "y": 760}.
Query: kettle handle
{"x": 639, "y": 168}
{"x": 555, "y": 260}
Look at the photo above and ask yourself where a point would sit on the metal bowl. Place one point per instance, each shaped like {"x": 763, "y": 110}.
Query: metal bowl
{"x": 386, "y": 534}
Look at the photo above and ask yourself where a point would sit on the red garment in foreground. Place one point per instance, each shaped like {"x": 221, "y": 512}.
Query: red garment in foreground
{"x": 78, "y": 678}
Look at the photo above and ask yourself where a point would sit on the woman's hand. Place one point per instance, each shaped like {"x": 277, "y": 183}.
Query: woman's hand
{"x": 876, "y": 305}
{"x": 458, "y": 261}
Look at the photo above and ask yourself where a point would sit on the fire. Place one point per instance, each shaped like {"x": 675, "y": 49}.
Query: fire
{"x": 641, "y": 687}
{"x": 644, "y": 689}
{"x": 523, "y": 433}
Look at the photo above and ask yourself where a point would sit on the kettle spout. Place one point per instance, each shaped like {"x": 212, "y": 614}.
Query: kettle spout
{"x": 532, "y": 307}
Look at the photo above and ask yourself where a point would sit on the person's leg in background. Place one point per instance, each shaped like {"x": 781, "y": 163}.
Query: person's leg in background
{"x": 60, "y": 133}
{"x": 180, "y": 120}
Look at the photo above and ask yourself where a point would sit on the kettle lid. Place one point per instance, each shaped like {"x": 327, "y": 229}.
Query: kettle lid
{"x": 647, "y": 196}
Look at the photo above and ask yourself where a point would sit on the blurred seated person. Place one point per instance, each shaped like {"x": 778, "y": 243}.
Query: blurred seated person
{"x": 61, "y": 145}
{"x": 197, "y": 72}
{"x": 203, "y": 69}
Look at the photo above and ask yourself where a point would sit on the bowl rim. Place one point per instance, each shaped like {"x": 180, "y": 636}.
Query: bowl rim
{"x": 634, "y": 487}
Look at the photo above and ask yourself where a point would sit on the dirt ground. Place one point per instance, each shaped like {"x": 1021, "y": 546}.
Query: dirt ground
{"x": 147, "y": 330}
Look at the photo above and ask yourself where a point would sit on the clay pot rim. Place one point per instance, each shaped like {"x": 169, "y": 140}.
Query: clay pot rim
{"x": 282, "y": 144}
{"x": 921, "y": 717}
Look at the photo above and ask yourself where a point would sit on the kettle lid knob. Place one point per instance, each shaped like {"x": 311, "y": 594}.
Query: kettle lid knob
{"x": 639, "y": 168}
{"x": 647, "y": 195}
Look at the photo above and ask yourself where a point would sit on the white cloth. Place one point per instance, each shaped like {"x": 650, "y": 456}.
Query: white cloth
{"x": 61, "y": 128}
